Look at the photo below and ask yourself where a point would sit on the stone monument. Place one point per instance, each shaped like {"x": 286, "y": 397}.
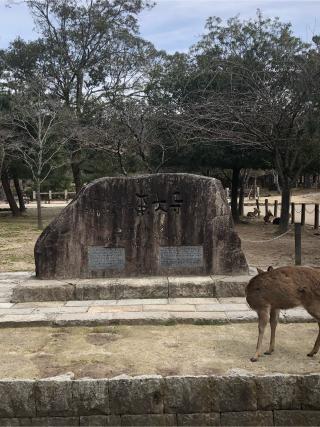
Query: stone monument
{"x": 149, "y": 225}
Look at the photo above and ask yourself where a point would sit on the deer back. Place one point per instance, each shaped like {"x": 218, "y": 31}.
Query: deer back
{"x": 283, "y": 288}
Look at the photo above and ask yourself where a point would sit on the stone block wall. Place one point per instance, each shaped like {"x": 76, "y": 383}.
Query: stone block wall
{"x": 272, "y": 400}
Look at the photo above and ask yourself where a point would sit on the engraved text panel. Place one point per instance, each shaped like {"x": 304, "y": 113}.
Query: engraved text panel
{"x": 101, "y": 258}
{"x": 181, "y": 256}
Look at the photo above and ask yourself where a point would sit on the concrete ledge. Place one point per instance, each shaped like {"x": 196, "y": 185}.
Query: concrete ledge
{"x": 233, "y": 400}
{"x": 153, "y": 287}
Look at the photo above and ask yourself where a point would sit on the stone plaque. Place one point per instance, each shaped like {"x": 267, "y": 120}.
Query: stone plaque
{"x": 101, "y": 258}
{"x": 181, "y": 256}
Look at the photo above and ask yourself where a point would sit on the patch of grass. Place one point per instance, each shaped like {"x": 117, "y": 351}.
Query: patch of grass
{"x": 18, "y": 236}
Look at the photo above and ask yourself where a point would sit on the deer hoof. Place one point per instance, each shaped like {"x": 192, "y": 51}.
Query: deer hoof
{"x": 268, "y": 353}
{"x": 254, "y": 359}
{"x": 310, "y": 354}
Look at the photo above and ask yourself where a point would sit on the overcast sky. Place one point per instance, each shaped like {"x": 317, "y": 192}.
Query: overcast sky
{"x": 176, "y": 24}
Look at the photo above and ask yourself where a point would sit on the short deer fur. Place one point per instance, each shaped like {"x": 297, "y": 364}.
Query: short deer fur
{"x": 283, "y": 288}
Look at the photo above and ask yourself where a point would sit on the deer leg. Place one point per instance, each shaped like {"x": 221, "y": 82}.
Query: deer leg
{"x": 263, "y": 320}
{"x": 274, "y": 318}
{"x": 316, "y": 345}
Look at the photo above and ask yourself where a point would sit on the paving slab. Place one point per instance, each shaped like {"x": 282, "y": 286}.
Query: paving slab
{"x": 143, "y": 301}
{"x": 6, "y": 304}
{"x": 63, "y": 309}
{"x": 141, "y": 318}
{"x": 40, "y": 304}
{"x": 13, "y": 320}
{"x": 90, "y": 303}
{"x": 232, "y": 300}
{"x": 296, "y": 315}
{"x": 222, "y": 307}
{"x": 193, "y": 280}
{"x": 169, "y": 307}
{"x": 82, "y": 319}
{"x": 193, "y": 301}
{"x": 214, "y": 318}
{"x": 115, "y": 309}
{"x": 18, "y": 311}
{"x": 241, "y": 316}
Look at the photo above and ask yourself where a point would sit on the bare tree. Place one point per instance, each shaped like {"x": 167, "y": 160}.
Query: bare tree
{"x": 138, "y": 134}
{"x": 41, "y": 134}
{"x": 92, "y": 51}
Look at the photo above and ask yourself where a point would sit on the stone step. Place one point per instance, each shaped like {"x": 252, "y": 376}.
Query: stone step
{"x": 137, "y": 312}
{"x": 31, "y": 289}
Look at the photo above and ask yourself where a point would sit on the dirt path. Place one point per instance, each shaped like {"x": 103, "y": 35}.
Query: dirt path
{"x": 165, "y": 350}
{"x": 277, "y": 252}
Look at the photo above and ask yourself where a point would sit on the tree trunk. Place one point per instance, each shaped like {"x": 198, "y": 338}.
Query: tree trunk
{"x": 307, "y": 181}
{"x": 244, "y": 178}
{"x": 276, "y": 180}
{"x": 76, "y": 170}
{"x": 2, "y": 155}
{"x": 38, "y": 197}
{"x": 285, "y": 207}
{"x": 19, "y": 194}
{"x": 7, "y": 190}
{"x": 241, "y": 198}
{"x": 234, "y": 194}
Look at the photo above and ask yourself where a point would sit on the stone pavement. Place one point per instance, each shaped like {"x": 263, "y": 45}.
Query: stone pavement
{"x": 127, "y": 311}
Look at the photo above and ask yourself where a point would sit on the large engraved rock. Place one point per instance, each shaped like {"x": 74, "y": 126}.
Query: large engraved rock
{"x": 146, "y": 225}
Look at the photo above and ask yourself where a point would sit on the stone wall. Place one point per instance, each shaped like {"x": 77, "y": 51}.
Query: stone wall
{"x": 205, "y": 400}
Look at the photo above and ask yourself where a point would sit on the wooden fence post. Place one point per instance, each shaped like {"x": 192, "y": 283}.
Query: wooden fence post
{"x": 50, "y": 196}
{"x": 303, "y": 214}
{"x": 297, "y": 243}
{"x": 292, "y": 213}
{"x": 258, "y": 207}
{"x": 65, "y": 194}
{"x": 275, "y": 208}
{"x": 316, "y": 216}
{"x": 266, "y": 206}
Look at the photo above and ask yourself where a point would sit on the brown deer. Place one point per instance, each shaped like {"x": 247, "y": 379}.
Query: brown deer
{"x": 253, "y": 213}
{"x": 283, "y": 288}
{"x": 267, "y": 218}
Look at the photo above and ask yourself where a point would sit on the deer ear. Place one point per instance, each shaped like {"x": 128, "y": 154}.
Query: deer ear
{"x": 270, "y": 268}
{"x": 259, "y": 270}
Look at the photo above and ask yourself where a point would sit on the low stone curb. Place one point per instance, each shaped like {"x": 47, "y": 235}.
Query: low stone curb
{"x": 139, "y": 318}
{"x": 274, "y": 400}
{"x": 131, "y": 288}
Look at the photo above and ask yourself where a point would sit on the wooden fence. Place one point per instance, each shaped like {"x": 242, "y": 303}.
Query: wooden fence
{"x": 296, "y": 208}
{"x": 50, "y": 195}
